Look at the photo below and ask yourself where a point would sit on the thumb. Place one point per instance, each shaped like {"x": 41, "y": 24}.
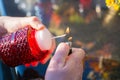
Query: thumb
{"x": 61, "y": 53}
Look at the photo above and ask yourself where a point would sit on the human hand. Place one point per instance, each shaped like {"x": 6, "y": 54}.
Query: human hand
{"x": 64, "y": 67}
{"x": 11, "y": 24}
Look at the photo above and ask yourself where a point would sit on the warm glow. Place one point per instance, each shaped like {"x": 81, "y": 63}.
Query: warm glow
{"x": 67, "y": 30}
{"x": 68, "y": 34}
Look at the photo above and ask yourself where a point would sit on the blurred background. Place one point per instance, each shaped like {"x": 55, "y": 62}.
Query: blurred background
{"x": 94, "y": 27}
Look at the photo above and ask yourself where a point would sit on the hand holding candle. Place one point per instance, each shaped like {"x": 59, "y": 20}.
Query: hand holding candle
{"x": 26, "y": 45}
{"x": 29, "y": 41}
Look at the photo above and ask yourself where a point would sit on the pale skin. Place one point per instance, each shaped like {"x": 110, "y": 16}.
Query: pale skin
{"x": 62, "y": 66}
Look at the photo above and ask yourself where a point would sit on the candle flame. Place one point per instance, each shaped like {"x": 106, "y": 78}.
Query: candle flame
{"x": 67, "y": 30}
{"x": 67, "y": 33}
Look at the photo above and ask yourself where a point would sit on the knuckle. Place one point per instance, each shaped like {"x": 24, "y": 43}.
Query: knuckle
{"x": 34, "y": 18}
{"x": 81, "y": 52}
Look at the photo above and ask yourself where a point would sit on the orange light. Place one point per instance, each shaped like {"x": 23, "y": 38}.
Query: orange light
{"x": 67, "y": 30}
{"x": 68, "y": 34}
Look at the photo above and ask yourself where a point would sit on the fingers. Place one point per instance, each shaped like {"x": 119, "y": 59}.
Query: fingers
{"x": 12, "y": 24}
{"x": 76, "y": 57}
{"x": 61, "y": 54}
{"x": 77, "y": 53}
{"x": 61, "y": 57}
{"x": 34, "y": 22}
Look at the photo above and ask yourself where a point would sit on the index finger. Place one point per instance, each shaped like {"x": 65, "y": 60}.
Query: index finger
{"x": 76, "y": 56}
{"x": 60, "y": 54}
